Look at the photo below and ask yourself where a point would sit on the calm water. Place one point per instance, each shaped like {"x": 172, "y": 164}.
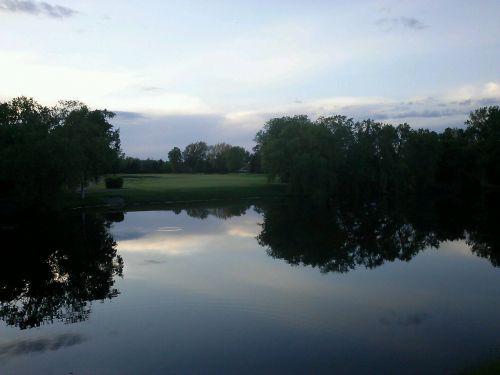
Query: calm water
{"x": 249, "y": 289}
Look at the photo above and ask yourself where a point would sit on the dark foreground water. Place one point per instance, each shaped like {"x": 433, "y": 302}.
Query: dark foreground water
{"x": 249, "y": 289}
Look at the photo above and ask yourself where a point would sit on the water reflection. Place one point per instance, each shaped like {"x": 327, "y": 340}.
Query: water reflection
{"x": 369, "y": 235}
{"x": 53, "y": 267}
{"x": 202, "y": 296}
{"x": 220, "y": 210}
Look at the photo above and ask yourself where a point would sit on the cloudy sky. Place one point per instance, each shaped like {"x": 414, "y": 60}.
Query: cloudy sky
{"x": 176, "y": 72}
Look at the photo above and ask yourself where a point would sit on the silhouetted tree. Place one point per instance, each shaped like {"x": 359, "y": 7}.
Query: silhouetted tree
{"x": 483, "y": 132}
{"x": 195, "y": 156}
{"x": 175, "y": 159}
{"x": 335, "y": 158}
{"x": 43, "y": 150}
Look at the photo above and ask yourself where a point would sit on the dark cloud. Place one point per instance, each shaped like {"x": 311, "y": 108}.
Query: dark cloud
{"x": 397, "y": 319}
{"x": 24, "y": 347}
{"x": 391, "y": 23}
{"x": 129, "y": 116}
{"x": 36, "y": 8}
{"x": 425, "y": 113}
{"x": 488, "y": 101}
{"x": 465, "y": 102}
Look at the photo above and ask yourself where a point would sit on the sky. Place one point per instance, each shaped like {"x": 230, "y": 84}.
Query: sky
{"x": 177, "y": 72}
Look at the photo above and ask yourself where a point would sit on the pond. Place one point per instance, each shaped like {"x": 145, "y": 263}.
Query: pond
{"x": 250, "y": 288}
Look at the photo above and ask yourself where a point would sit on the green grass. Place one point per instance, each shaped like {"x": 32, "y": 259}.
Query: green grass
{"x": 165, "y": 188}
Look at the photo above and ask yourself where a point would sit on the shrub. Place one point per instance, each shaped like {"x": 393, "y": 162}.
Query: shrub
{"x": 113, "y": 182}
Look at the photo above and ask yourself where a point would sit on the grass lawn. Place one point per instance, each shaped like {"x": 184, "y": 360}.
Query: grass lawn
{"x": 164, "y": 188}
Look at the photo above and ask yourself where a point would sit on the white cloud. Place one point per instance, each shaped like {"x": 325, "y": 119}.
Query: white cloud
{"x": 27, "y": 76}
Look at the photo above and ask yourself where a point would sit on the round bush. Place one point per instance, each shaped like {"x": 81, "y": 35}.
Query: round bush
{"x": 113, "y": 182}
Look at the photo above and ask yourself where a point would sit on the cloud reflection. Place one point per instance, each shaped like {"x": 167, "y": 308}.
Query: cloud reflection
{"x": 40, "y": 345}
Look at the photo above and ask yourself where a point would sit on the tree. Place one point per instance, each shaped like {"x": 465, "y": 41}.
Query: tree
{"x": 483, "y": 133}
{"x": 175, "y": 159}
{"x": 298, "y": 152}
{"x": 235, "y": 158}
{"x": 44, "y": 150}
{"x": 195, "y": 156}
{"x": 216, "y": 157}
{"x": 88, "y": 141}
{"x": 31, "y": 171}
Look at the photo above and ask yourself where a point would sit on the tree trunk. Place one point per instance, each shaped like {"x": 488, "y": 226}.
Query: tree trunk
{"x": 82, "y": 191}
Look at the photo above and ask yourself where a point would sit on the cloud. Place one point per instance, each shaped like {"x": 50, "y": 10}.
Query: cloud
{"x": 391, "y": 23}
{"x": 36, "y": 8}
{"x": 40, "y": 345}
{"x": 153, "y": 261}
{"x": 152, "y": 135}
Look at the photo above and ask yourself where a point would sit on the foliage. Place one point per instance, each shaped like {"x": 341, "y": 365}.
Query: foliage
{"x": 46, "y": 150}
{"x": 335, "y": 157}
{"x": 31, "y": 168}
{"x": 175, "y": 159}
{"x": 195, "y": 157}
{"x": 136, "y": 165}
{"x": 483, "y": 133}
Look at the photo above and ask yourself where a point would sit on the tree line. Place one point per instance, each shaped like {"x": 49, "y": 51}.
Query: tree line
{"x": 337, "y": 157}
{"x": 197, "y": 157}
{"x": 46, "y": 150}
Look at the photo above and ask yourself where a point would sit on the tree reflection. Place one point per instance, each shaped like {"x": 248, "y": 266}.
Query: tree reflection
{"x": 220, "y": 209}
{"x": 484, "y": 236}
{"x": 341, "y": 239}
{"x": 54, "y": 267}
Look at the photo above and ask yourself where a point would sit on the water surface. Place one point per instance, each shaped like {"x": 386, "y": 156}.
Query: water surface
{"x": 249, "y": 288}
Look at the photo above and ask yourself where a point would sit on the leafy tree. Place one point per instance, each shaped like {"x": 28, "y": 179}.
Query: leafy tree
{"x": 254, "y": 160}
{"x": 45, "y": 150}
{"x": 175, "y": 159}
{"x": 483, "y": 132}
{"x": 88, "y": 141}
{"x": 31, "y": 169}
{"x": 195, "y": 156}
{"x": 235, "y": 158}
{"x": 337, "y": 158}
{"x": 216, "y": 157}
{"x": 458, "y": 164}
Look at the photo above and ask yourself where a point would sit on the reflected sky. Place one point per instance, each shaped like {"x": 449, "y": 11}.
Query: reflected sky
{"x": 206, "y": 298}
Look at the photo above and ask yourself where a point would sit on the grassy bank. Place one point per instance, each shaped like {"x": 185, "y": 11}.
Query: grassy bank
{"x": 164, "y": 188}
